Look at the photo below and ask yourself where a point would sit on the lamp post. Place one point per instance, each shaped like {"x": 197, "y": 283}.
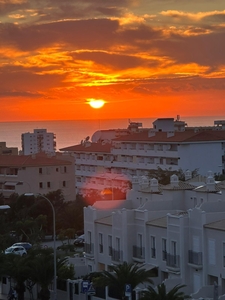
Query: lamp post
{"x": 54, "y": 246}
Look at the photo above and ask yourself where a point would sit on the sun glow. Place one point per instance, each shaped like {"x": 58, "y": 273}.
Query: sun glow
{"x": 96, "y": 103}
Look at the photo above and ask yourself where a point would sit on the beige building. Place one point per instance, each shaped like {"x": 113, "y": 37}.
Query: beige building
{"x": 38, "y": 173}
{"x": 7, "y": 150}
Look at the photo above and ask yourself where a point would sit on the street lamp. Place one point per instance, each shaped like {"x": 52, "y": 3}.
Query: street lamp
{"x": 54, "y": 246}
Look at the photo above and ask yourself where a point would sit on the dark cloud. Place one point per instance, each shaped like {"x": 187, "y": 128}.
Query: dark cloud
{"x": 178, "y": 85}
{"x": 93, "y": 34}
{"x": 205, "y": 49}
{"x": 7, "y": 7}
{"x": 19, "y": 79}
{"x": 13, "y": 93}
{"x": 114, "y": 61}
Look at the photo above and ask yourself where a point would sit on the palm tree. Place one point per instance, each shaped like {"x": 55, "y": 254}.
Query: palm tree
{"x": 123, "y": 274}
{"x": 42, "y": 269}
{"x": 16, "y": 267}
{"x": 160, "y": 293}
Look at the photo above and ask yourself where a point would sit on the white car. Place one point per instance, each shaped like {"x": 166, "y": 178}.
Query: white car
{"x": 19, "y": 250}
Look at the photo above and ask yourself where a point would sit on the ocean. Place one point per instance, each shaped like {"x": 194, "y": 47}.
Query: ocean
{"x": 71, "y": 132}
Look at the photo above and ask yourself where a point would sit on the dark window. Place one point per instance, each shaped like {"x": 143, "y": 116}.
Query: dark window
{"x": 40, "y": 185}
{"x": 48, "y": 184}
{"x": 40, "y": 170}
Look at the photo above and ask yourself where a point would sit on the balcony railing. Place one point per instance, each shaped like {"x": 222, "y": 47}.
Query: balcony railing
{"x": 89, "y": 248}
{"x": 195, "y": 258}
{"x": 153, "y": 252}
{"x": 173, "y": 261}
{"x": 164, "y": 255}
{"x": 110, "y": 250}
{"x": 100, "y": 248}
{"x": 138, "y": 252}
{"x": 117, "y": 255}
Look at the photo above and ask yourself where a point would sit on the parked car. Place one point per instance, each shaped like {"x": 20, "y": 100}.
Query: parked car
{"x": 19, "y": 250}
{"x": 79, "y": 241}
{"x": 26, "y": 245}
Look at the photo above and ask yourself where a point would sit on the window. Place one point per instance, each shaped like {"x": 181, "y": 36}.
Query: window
{"x": 57, "y": 169}
{"x": 89, "y": 237}
{"x": 41, "y": 185}
{"x": 164, "y": 252}
{"x": 153, "y": 250}
{"x": 140, "y": 244}
{"x": 100, "y": 243}
{"x": 211, "y": 252}
{"x": 118, "y": 244}
{"x": 48, "y": 184}
{"x": 65, "y": 169}
{"x": 64, "y": 183}
{"x": 174, "y": 248}
{"x": 40, "y": 170}
{"x": 110, "y": 245}
{"x": 223, "y": 254}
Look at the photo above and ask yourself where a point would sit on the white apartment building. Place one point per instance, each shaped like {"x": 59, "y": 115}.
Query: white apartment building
{"x": 38, "y": 141}
{"x": 178, "y": 229}
{"x": 169, "y": 144}
{"x": 38, "y": 174}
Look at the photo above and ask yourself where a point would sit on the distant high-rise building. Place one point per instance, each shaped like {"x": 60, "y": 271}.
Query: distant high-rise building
{"x": 38, "y": 141}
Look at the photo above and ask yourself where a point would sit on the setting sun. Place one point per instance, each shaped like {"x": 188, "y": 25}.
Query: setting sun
{"x": 96, "y": 103}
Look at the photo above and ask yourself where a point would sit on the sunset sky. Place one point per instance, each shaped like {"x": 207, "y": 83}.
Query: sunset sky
{"x": 144, "y": 58}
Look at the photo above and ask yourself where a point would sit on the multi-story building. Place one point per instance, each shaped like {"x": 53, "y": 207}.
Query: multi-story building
{"x": 111, "y": 161}
{"x": 7, "y": 150}
{"x": 37, "y": 173}
{"x": 178, "y": 229}
{"x": 38, "y": 141}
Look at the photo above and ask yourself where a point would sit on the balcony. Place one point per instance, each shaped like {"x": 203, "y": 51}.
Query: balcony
{"x": 138, "y": 254}
{"x": 117, "y": 255}
{"x": 164, "y": 255}
{"x": 89, "y": 249}
{"x": 195, "y": 259}
{"x": 173, "y": 263}
{"x": 153, "y": 252}
{"x": 110, "y": 250}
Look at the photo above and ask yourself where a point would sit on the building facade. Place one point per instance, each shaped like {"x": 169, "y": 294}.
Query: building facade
{"x": 179, "y": 229}
{"x": 37, "y": 173}
{"x": 38, "y": 141}
{"x": 169, "y": 145}
{"x": 4, "y": 150}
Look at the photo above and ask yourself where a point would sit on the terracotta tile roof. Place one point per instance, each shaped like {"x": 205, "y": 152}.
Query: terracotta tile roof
{"x": 30, "y": 161}
{"x": 93, "y": 147}
{"x": 181, "y": 185}
{"x": 105, "y": 221}
{"x": 181, "y": 137}
{"x": 151, "y": 189}
{"x": 161, "y": 222}
{"x": 221, "y": 185}
{"x": 218, "y": 225}
{"x": 205, "y": 189}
